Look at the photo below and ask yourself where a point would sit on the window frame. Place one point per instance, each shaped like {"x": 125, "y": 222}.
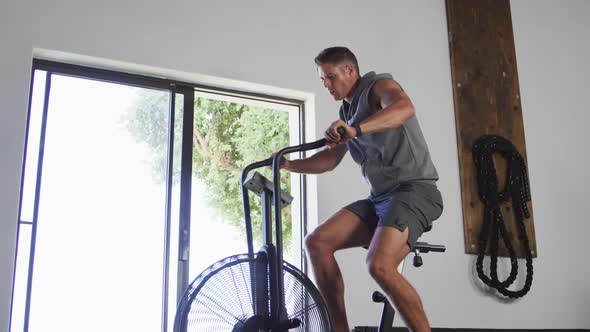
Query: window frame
{"x": 174, "y": 87}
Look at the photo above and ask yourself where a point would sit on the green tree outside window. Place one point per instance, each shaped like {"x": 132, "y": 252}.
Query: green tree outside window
{"x": 227, "y": 137}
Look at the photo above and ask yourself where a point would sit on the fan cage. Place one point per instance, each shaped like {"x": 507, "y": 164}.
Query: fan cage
{"x": 221, "y": 297}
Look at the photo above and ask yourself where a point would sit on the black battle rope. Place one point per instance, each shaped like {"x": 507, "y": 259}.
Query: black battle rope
{"x": 516, "y": 188}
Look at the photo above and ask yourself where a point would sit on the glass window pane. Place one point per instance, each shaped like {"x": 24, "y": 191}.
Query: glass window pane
{"x": 230, "y": 133}
{"x": 99, "y": 246}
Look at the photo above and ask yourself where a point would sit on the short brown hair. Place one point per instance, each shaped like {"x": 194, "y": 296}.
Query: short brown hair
{"x": 336, "y": 55}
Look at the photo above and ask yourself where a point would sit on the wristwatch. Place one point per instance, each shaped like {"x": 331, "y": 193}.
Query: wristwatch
{"x": 357, "y": 127}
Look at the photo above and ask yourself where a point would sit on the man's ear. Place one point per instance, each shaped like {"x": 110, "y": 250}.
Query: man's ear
{"x": 348, "y": 68}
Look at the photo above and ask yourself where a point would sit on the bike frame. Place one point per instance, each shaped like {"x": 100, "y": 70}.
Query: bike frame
{"x": 273, "y": 252}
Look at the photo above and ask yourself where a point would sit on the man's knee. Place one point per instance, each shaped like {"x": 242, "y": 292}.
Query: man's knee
{"x": 314, "y": 243}
{"x": 381, "y": 268}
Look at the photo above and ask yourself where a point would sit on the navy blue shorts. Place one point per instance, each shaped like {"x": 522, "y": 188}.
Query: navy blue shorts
{"x": 412, "y": 205}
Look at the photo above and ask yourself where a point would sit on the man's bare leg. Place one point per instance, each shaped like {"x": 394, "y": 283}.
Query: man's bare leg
{"x": 343, "y": 230}
{"x": 388, "y": 248}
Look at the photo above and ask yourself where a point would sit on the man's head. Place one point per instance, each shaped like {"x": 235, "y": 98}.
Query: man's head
{"x": 338, "y": 70}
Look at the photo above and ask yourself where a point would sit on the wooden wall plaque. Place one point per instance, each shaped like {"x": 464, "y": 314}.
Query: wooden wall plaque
{"x": 487, "y": 101}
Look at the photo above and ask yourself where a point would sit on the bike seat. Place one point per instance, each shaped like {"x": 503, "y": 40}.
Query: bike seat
{"x": 423, "y": 247}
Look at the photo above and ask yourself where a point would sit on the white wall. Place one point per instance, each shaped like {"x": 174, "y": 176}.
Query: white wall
{"x": 271, "y": 44}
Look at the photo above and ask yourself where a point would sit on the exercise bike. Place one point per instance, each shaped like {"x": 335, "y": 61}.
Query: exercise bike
{"x": 255, "y": 292}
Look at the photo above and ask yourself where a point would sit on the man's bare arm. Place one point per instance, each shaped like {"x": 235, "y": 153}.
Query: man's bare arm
{"x": 396, "y": 107}
{"x": 320, "y": 162}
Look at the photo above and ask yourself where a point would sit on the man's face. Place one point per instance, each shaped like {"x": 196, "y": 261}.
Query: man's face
{"x": 337, "y": 79}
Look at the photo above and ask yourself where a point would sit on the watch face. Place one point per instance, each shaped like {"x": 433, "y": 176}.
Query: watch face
{"x": 357, "y": 127}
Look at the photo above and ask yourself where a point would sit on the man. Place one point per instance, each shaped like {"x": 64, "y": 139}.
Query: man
{"x": 384, "y": 138}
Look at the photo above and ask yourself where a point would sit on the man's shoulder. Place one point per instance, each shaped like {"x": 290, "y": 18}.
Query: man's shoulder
{"x": 378, "y": 79}
{"x": 380, "y": 84}
{"x": 383, "y": 76}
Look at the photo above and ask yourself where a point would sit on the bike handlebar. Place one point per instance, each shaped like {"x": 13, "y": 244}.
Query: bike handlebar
{"x": 271, "y": 162}
{"x": 296, "y": 148}
{"x": 274, "y": 161}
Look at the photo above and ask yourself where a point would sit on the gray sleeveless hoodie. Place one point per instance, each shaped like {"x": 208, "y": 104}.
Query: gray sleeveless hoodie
{"x": 390, "y": 157}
